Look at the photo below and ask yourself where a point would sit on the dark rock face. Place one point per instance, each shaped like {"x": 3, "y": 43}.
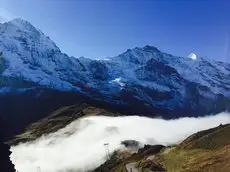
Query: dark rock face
{"x": 20, "y": 110}
{"x": 115, "y": 159}
{"x": 5, "y": 163}
{"x": 149, "y": 48}
{"x": 99, "y": 70}
{"x": 151, "y": 166}
{"x": 150, "y": 150}
{"x": 157, "y": 66}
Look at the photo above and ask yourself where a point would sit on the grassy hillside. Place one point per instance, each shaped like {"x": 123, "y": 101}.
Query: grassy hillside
{"x": 55, "y": 121}
{"x": 205, "y": 151}
{"x": 192, "y": 160}
{"x": 209, "y": 139}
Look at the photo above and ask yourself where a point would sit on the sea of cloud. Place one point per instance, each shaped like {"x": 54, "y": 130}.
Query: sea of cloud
{"x": 80, "y": 145}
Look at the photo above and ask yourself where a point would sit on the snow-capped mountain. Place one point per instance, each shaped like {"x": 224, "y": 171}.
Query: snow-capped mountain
{"x": 144, "y": 80}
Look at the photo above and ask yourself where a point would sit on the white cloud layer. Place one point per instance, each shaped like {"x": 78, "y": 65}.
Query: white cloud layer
{"x": 80, "y": 145}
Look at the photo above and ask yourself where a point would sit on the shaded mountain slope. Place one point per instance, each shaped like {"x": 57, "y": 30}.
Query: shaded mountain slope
{"x": 57, "y": 120}
{"x": 5, "y": 163}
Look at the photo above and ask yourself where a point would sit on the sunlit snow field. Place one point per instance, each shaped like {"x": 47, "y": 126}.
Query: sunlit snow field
{"x": 80, "y": 145}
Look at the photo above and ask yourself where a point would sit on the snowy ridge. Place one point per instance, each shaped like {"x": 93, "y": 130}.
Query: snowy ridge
{"x": 147, "y": 74}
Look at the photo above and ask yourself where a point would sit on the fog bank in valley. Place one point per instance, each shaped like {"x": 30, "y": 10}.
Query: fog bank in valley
{"x": 80, "y": 145}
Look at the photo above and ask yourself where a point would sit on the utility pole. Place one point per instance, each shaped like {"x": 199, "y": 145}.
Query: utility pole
{"x": 107, "y": 151}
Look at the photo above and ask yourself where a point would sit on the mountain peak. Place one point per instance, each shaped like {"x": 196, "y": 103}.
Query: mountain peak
{"x": 24, "y": 25}
{"x": 147, "y": 48}
{"x": 27, "y": 34}
{"x": 20, "y": 22}
{"x": 140, "y": 55}
{"x": 150, "y": 48}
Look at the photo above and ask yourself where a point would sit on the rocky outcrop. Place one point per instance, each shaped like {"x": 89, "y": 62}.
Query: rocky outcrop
{"x": 149, "y": 165}
{"x": 121, "y": 158}
{"x": 130, "y": 143}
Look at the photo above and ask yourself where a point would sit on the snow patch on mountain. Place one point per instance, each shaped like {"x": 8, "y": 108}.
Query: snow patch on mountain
{"x": 192, "y": 56}
{"x": 118, "y": 81}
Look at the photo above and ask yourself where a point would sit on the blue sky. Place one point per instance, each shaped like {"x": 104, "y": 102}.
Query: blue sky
{"x": 96, "y": 28}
